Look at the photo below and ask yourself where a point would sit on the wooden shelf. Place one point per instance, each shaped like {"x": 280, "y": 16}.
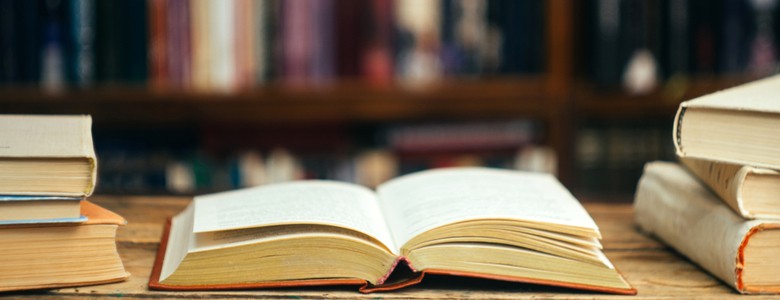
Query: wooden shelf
{"x": 663, "y": 102}
{"x": 473, "y": 99}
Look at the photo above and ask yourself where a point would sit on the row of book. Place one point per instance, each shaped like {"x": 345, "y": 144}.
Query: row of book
{"x": 51, "y": 235}
{"x": 609, "y": 154}
{"x": 237, "y": 44}
{"x": 223, "y": 158}
{"x": 719, "y": 206}
{"x": 636, "y": 43}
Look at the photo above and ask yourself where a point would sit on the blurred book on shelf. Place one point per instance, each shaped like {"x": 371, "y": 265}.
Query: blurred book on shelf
{"x": 682, "y": 40}
{"x": 366, "y": 154}
{"x": 226, "y": 46}
{"x": 610, "y": 155}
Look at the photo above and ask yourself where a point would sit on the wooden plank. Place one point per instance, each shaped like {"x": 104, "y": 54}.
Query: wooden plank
{"x": 506, "y": 97}
{"x": 655, "y": 271}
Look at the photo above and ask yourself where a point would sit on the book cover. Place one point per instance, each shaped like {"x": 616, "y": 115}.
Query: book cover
{"x": 673, "y": 206}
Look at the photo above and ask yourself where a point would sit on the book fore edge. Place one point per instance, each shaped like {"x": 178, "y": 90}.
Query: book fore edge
{"x": 739, "y": 283}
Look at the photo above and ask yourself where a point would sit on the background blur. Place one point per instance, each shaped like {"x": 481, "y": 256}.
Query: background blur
{"x": 196, "y": 96}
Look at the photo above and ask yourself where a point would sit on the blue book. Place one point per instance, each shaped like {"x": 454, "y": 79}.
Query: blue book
{"x": 31, "y": 209}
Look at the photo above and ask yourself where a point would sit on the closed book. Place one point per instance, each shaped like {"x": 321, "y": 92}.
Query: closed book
{"x": 47, "y": 155}
{"x": 40, "y": 209}
{"x": 750, "y": 191}
{"x": 673, "y": 206}
{"x": 473, "y": 222}
{"x": 736, "y": 125}
{"x": 38, "y": 256}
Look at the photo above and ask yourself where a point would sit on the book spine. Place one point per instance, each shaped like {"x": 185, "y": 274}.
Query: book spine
{"x": 8, "y": 59}
{"x": 348, "y": 37}
{"x": 53, "y": 60}
{"x": 296, "y": 38}
{"x": 321, "y": 24}
{"x": 135, "y": 38}
{"x": 734, "y": 37}
{"x": 377, "y": 61}
{"x": 245, "y": 60}
{"x": 199, "y": 39}
{"x": 82, "y": 58}
{"x": 223, "y": 51}
{"x": 178, "y": 45}
{"x": 28, "y": 41}
{"x": 158, "y": 40}
{"x": 677, "y": 130}
{"x": 673, "y": 206}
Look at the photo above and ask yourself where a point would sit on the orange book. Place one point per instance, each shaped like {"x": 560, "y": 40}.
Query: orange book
{"x": 37, "y": 256}
{"x": 474, "y": 222}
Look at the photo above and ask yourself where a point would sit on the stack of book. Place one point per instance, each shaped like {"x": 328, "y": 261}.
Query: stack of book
{"x": 721, "y": 206}
{"x": 50, "y": 236}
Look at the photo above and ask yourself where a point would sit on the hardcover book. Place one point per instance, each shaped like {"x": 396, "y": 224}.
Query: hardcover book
{"x": 474, "y": 222}
{"x": 673, "y": 206}
{"x": 750, "y": 191}
{"x": 37, "y": 256}
{"x": 47, "y": 155}
{"x": 736, "y": 125}
{"x": 40, "y": 209}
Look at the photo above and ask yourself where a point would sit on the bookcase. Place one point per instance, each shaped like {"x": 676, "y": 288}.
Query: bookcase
{"x": 559, "y": 98}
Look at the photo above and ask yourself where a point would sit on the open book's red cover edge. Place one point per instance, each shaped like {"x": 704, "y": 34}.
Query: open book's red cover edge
{"x": 365, "y": 287}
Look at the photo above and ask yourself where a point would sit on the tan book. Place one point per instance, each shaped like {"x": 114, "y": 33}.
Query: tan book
{"x": 738, "y": 125}
{"x": 474, "y": 222}
{"x": 15, "y": 209}
{"x": 47, "y": 155}
{"x": 674, "y": 206}
{"x": 37, "y": 256}
{"x": 751, "y": 191}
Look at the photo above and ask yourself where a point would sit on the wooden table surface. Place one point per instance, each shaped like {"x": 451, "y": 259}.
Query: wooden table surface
{"x": 653, "y": 269}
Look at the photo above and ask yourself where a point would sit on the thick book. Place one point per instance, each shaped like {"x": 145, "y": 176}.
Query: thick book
{"x": 673, "y": 206}
{"x": 475, "y": 222}
{"x": 40, "y": 209}
{"x": 47, "y": 155}
{"x": 750, "y": 191}
{"x": 736, "y": 125}
{"x": 38, "y": 256}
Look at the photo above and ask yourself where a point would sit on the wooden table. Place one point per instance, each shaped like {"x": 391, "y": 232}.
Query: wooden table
{"x": 649, "y": 266}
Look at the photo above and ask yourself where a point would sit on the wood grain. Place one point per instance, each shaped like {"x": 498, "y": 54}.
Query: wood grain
{"x": 657, "y": 272}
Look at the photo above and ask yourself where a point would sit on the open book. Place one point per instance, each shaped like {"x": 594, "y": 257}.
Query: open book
{"x": 477, "y": 222}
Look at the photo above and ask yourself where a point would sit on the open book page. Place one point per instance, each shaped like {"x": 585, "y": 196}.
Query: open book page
{"x": 303, "y": 202}
{"x": 419, "y": 202}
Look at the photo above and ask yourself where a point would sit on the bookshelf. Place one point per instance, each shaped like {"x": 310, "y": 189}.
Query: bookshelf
{"x": 561, "y": 99}
{"x": 344, "y": 101}
{"x": 661, "y": 102}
